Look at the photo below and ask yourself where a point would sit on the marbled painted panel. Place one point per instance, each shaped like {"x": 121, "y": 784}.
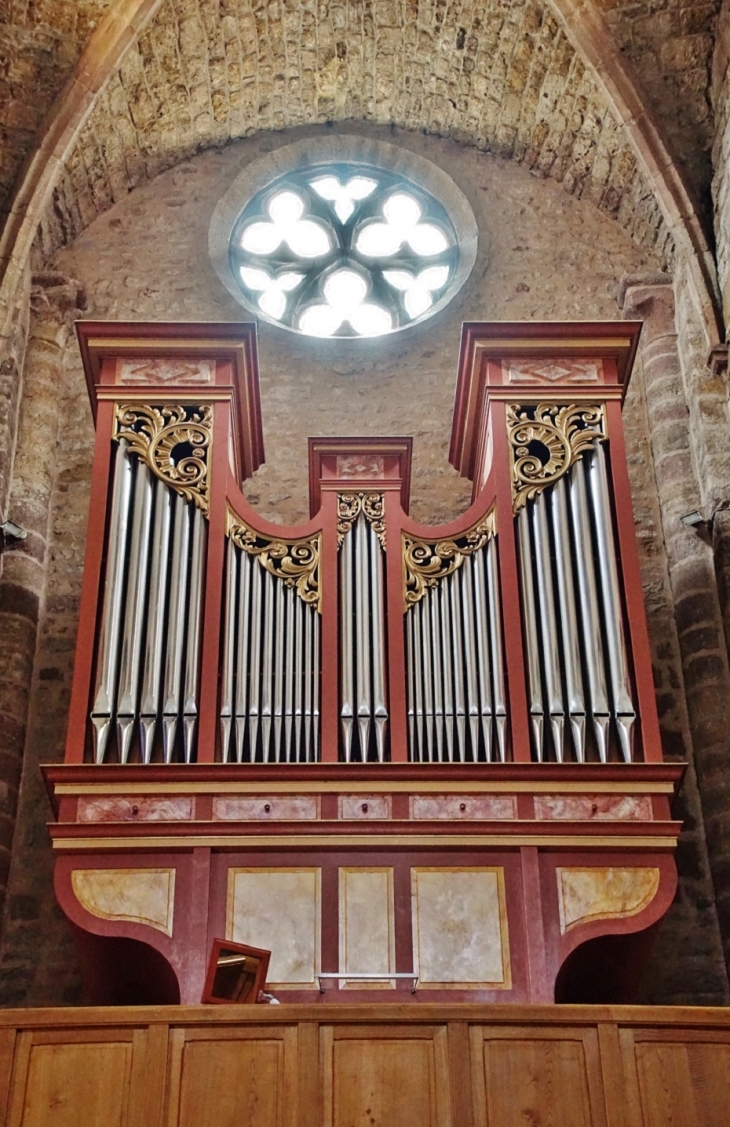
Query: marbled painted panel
{"x": 279, "y": 910}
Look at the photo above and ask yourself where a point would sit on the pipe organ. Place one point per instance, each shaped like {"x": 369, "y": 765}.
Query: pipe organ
{"x": 247, "y": 694}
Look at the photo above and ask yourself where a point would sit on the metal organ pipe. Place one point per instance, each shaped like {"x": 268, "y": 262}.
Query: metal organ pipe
{"x": 129, "y": 662}
{"x": 615, "y": 645}
{"x": 590, "y": 617}
{"x": 363, "y": 703}
{"x": 455, "y": 665}
{"x": 270, "y": 667}
{"x": 179, "y": 566}
{"x": 149, "y": 644}
{"x": 155, "y": 633}
{"x": 105, "y": 696}
{"x": 576, "y": 660}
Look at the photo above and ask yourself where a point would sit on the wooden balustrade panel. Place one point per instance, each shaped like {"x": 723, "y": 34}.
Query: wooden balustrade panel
{"x": 233, "y": 1077}
{"x": 682, "y": 1077}
{"x": 77, "y": 1079}
{"x": 380, "y": 1076}
{"x": 365, "y": 1066}
{"x": 547, "y": 1075}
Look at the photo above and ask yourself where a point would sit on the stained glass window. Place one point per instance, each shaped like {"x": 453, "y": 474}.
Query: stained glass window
{"x": 343, "y": 250}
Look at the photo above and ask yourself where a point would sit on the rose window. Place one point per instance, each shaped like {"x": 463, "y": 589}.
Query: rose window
{"x": 344, "y": 250}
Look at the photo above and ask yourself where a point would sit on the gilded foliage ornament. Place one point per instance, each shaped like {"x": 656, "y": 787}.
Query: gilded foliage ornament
{"x": 295, "y": 562}
{"x": 174, "y": 441}
{"x": 545, "y": 440}
{"x": 427, "y": 562}
{"x": 349, "y": 507}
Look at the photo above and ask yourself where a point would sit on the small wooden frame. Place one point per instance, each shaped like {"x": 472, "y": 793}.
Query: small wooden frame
{"x": 236, "y": 973}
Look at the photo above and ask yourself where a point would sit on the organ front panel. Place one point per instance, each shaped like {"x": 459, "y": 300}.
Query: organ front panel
{"x": 413, "y": 762}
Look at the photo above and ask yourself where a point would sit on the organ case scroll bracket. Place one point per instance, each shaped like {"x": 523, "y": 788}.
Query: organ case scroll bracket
{"x": 349, "y": 508}
{"x": 295, "y": 562}
{"x": 174, "y": 441}
{"x": 426, "y": 562}
{"x": 545, "y": 440}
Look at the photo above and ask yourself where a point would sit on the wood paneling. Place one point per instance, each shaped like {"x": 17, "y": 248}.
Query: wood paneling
{"x": 243, "y": 1078}
{"x": 535, "y": 1076}
{"x": 67, "y": 1085}
{"x": 682, "y": 1080}
{"x": 378, "y": 1077}
{"x": 366, "y": 1065}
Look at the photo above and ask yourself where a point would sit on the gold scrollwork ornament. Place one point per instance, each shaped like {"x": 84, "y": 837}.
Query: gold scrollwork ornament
{"x": 545, "y": 441}
{"x": 351, "y": 505}
{"x": 173, "y": 441}
{"x": 295, "y": 562}
{"x": 426, "y": 563}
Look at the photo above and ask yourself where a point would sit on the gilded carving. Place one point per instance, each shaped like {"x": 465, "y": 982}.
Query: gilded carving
{"x": 545, "y": 440}
{"x": 174, "y": 441}
{"x": 427, "y": 562}
{"x": 349, "y": 507}
{"x": 295, "y": 562}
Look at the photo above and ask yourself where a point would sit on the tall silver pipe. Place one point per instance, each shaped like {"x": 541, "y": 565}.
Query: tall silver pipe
{"x": 615, "y": 643}
{"x": 548, "y": 624}
{"x": 278, "y": 643}
{"x": 425, "y": 645}
{"x": 310, "y": 688}
{"x": 532, "y": 643}
{"x": 591, "y": 630}
{"x": 446, "y": 659}
{"x": 108, "y": 656}
{"x": 459, "y": 657}
{"x": 244, "y": 654}
{"x": 438, "y": 678}
{"x": 347, "y": 703}
{"x": 314, "y": 618}
{"x": 174, "y": 651}
{"x": 290, "y": 598}
{"x": 472, "y": 685}
{"x": 136, "y": 597}
{"x": 416, "y": 665}
{"x": 413, "y": 753}
{"x": 156, "y": 618}
{"x": 569, "y": 630}
{"x": 254, "y": 684}
{"x": 495, "y": 638}
{"x": 192, "y": 641}
{"x": 380, "y": 710}
{"x": 477, "y": 573}
{"x": 363, "y": 601}
{"x": 299, "y": 673}
{"x": 267, "y": 663}
{"x": 230, "y": 623}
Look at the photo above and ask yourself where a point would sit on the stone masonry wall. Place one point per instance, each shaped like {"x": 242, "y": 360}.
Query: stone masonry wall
{"x": 542, "y": 255}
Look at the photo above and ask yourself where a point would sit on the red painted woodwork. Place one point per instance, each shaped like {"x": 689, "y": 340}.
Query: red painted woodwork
{"x": 525, "y": 837}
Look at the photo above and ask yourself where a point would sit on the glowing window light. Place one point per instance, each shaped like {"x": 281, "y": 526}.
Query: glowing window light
{"x": 343, "y": 250}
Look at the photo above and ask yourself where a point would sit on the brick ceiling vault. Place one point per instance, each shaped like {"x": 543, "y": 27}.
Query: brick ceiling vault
{"x": 541, "y": 83}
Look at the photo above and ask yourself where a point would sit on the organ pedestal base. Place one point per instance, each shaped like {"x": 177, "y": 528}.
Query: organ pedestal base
{"x": 485, "y": 881}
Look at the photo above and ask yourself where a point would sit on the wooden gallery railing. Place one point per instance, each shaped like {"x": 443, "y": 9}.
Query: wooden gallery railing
{"x": 515, "y": 632}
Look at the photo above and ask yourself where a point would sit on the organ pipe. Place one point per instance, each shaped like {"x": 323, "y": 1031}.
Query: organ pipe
{"x": 148, "y": 655}
{"x": 270, "y": 671}
{"x": 363, "y": 704}
{"x": 572, "y": 614}
{"x": 455, "y": 665}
